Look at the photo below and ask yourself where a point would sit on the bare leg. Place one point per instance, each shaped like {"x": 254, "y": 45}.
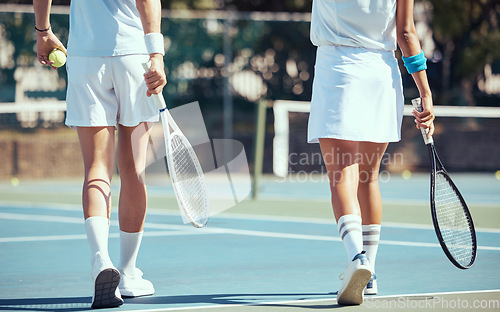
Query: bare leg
{"x": 132, "y": 145}
{"x": 97, "y": 144}
{"x": 370, "y": 202}
{"x": 98, "y": 152}
{"x": 132, "y": 148}
{"x": 340, "y": 159}
{"x": 369, "y": 197}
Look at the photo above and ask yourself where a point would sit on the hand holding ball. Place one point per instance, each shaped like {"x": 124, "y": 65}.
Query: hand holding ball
{"x": 58, "y": 56}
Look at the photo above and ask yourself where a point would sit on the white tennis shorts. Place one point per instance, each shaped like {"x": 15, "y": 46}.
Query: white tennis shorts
{"x": 106, "y": 91}
{"x": 357, "y": 96}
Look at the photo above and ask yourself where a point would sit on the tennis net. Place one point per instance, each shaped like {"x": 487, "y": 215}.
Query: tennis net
{"x": 468, "y": 140}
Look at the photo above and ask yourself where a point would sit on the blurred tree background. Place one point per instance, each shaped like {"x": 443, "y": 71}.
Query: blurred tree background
{"x": 219, "y": 47}
{"x": 241, "y": 5}
{"x": 465, "y": 35}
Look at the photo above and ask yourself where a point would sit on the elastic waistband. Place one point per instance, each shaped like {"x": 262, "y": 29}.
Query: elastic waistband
{"x": 346, "y": 54}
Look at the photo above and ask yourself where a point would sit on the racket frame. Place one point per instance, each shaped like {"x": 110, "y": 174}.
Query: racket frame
{"x": 437, "y": 167}
{"x": 167, "y": 123}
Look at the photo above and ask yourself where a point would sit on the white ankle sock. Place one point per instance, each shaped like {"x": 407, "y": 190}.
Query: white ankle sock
{"x": 350, "y": 231}
{"x": 371, "y": 237}
{"x": 129, "y": 248}
{"x": 97, "y": 229}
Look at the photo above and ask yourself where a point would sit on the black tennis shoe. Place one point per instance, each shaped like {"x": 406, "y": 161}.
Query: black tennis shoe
{"x": 106, "y": 293}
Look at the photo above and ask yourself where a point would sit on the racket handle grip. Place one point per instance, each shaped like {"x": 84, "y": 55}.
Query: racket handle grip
{"x": 417, "y": 105}
{"x": 158, "y": 98}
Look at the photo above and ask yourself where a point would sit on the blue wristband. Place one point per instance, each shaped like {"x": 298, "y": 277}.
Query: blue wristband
{"x": 415, "y": 63}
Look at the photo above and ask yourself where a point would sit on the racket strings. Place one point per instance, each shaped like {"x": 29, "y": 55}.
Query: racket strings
{"x": 188, "y": 182}
{"x": 454, "y": 223}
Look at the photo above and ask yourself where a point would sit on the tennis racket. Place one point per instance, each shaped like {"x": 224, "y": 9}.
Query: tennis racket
{"x": 185, "y": 170}
{"x": 450, "y": 215}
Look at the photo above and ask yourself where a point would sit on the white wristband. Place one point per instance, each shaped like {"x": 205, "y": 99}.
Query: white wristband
{"x": 154, "y": 43}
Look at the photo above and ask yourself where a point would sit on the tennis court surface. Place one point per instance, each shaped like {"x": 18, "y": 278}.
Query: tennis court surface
{"x": 278, "y": 253}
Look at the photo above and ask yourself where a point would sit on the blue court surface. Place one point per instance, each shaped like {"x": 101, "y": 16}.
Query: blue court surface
{"x": 278, "y": 253}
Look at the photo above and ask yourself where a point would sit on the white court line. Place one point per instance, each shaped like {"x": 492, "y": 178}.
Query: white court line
{"x": 232, "y": 216}
{"x": 333, "y": 298}
{"x": 207, "y": 230}
{"x": 332, "y": 239}
{"x": 31, "y": 205}
{"x": 44, "y": 218}
{"x": 42, "y": 238}
{"x": 74, "y": 220}
{"x": 440, "y": 293}
{"x": 84, "y": 237}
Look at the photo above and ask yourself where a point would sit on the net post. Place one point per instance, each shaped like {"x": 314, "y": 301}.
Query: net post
{"x": 258, "y": 156}
{"x": 15, "y": 158}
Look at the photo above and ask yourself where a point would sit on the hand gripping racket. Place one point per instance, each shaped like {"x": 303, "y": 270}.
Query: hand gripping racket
{"x": 185, "y": 170}
{"x": 450, "y": 215}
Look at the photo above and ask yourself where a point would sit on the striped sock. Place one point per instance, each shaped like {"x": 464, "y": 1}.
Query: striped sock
{"x": 371, "y": 237}
{"x": 350, "y": 231}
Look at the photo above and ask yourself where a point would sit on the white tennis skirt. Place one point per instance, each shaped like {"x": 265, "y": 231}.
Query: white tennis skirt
{"x": 357, "y": 96}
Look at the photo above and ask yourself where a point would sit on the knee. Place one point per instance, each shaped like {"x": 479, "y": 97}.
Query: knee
{"x": 367, "y": 177}
{"x": 343, "y": 179}
{"x": 99, "y": 169}
{"x": 129, "y": 167}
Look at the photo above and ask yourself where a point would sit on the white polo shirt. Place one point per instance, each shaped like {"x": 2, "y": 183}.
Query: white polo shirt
{"x": 369, "y": 24}
{"x": 105, "y": 28}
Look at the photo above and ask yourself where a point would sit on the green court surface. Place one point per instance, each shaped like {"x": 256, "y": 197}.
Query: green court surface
{"x": 404, "y": 200}
{"x": 479, "y": 301}
{"x": 280, "y": 252}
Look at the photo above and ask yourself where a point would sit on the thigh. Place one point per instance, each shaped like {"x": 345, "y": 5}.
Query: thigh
{"x": 341, "y": 158}
{"x": 98, "y": 148}
{"x": 341, "y": 161}
{"x": 339, "y": 153}
{"x": 370, "y": 155}
{"x": 132, "y": 148}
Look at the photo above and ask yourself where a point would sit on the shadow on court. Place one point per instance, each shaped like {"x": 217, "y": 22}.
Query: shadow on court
{"x": 83, "y": 303}
{"x": 222, "y": 299}
{"x": 485, "y": 301}
{"x": 46, "y": 304}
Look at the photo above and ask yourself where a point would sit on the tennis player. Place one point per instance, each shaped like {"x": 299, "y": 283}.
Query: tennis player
{"x": 356, "y": 110}
{"x": 108, "y": 42}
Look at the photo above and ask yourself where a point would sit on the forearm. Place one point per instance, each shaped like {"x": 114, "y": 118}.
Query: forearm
{"x": 150, "y": 13}
{"x": 42, "y": 13}
{"x": 422, "y": 83}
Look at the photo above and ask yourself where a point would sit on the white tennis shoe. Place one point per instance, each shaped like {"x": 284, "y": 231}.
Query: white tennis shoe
{"x": 135, "y": 286}
{"x": 355, "y": 278}
{"x": 106, "y": 280}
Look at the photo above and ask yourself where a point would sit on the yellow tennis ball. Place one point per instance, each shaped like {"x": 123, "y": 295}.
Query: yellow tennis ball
{"x": 14, "y": 181}
{"x": 58, "y": 57}
{"x": 497, "y": 174}
{"x": 406, "y": 174}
